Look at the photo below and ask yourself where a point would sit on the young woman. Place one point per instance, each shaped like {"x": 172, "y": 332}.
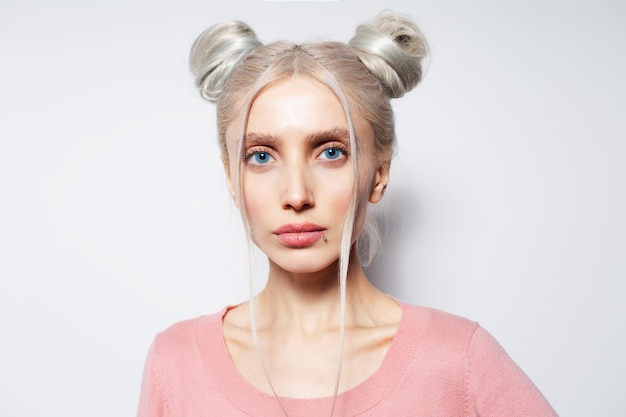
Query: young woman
{"x": 307, "y": 136}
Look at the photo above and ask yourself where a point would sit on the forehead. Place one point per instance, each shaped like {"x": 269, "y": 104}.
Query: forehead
{"x": 299, "y": 104}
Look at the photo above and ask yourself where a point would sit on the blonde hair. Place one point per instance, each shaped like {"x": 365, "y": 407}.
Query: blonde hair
{"x": 382, "y": 61}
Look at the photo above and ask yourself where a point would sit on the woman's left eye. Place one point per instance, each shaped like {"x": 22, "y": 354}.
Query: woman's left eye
{"x": 332, "y": 153}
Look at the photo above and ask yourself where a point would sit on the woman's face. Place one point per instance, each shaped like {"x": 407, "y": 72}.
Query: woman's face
{"x": 297, "y": 173}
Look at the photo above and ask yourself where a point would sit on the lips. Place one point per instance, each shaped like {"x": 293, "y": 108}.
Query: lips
{"x": 299, "y": 235}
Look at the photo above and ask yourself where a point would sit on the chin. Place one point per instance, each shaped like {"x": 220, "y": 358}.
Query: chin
{"x": 306, "y": 263}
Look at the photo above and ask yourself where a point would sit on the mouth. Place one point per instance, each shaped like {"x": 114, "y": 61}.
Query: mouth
{"x": 299, "y": 235}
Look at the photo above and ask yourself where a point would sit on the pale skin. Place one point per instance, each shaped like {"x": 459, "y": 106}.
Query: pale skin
{"x": 298, "y": 169}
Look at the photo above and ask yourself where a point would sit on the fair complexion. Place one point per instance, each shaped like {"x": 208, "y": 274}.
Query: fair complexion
{"x": 298, "y": 182}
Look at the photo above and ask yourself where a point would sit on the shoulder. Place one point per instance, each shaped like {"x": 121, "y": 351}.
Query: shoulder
{"x": 438, "y": 328}
{"x": 445, "y": 334}
{"x": 181, "y": 366}
{"x": 459, "y": 352}
{"x": 183, "y": 337}
{"x": 180, "y": 352}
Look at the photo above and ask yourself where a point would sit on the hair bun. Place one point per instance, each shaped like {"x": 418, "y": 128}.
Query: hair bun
{"x": 216, "y": 52}
{"x": 392, "y": 49}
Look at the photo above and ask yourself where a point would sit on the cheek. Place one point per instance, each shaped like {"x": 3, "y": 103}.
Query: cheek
{"x": 366, "y": 180}
{"x": 258, "y": 213}
{"x": 256, "y": 201}
{"x": 336, "y": 188}
{"x": 261, "y": 199}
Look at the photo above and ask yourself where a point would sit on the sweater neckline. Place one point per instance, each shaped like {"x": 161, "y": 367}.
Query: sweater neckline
{"x": 358, "y": 399}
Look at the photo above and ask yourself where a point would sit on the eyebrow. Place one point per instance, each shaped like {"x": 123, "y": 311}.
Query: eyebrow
{"x": 337, "y": 133}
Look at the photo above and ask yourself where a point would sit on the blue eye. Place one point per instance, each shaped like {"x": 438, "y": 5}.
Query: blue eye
{"x": 260, "y": 158}
{"x": 332, "y": 153}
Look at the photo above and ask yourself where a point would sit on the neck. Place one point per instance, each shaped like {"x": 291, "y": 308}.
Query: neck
{"x": 310, "y": 303}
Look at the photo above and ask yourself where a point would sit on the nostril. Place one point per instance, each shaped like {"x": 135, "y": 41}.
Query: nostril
{"x": 297, "y": 194}
{"x": 298, "y": 207}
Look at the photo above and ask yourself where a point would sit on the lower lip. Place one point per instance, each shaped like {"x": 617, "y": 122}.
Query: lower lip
{"x": 300, "y": 239}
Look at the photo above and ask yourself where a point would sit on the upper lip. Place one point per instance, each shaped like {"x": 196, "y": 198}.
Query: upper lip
{"x": 299, "y": 228}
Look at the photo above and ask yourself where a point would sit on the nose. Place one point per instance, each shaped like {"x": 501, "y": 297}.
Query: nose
{"x": 298, "y": 188}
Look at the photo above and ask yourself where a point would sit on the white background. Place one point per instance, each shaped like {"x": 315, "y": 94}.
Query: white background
{"x": 506, "y": 202}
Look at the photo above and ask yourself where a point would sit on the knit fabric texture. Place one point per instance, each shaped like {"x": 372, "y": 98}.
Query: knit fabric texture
{"x": 438, "y": 364}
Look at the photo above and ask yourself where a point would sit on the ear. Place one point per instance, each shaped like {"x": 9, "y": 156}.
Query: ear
{"x": 381, "y": 178}
{"x": 229, "y": 182}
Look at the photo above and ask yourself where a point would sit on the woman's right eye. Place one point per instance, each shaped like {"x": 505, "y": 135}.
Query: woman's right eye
{"x": 259, "y": 158}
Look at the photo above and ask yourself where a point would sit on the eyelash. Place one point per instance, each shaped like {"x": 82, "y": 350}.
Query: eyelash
{"x": 250, "y": 153}
{"x": 340, "y": 147}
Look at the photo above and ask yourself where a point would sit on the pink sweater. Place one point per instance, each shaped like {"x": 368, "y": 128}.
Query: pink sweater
{"x": 438, "y": 365}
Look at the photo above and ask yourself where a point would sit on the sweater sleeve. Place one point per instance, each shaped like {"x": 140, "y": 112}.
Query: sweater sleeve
{"x": 151, "y": 400}
{"x": 496, "y": 386}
